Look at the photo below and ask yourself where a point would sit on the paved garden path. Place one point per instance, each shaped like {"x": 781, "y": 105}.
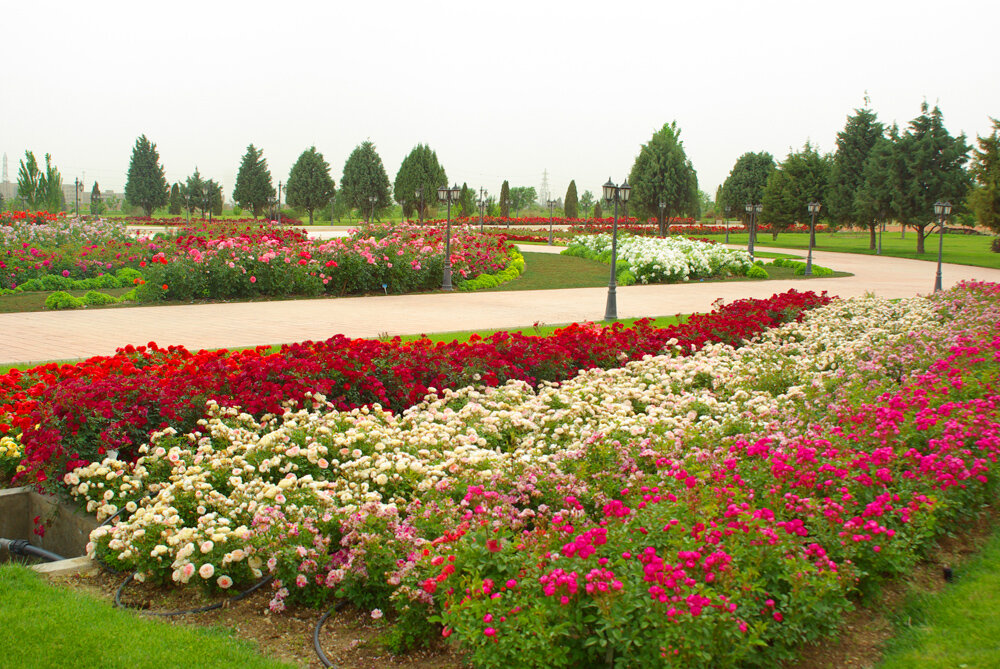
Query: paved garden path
{"x": 40, "y": 336}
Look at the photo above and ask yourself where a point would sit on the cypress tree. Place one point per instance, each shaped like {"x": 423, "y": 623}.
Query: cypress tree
{"x": 309, "y": 183}
{"x": 254, "y": 188}
{"x": 571, "y": 203}
{"x": 505, "y": 199}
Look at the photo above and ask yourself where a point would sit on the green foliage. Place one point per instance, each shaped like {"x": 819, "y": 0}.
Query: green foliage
{"x": 193, "y": 191}
{"x": 484, "y": 281}
{"x": 598, "y": 212}
{"x": 146, "y": 186}
{"x": 985, "y": 199}
{"x": 254, "y": 188}
{"x": 176, "y": 202}
{"x": 854, "y": 144}
{"x": 522, "y": 197}
{"x": 50, "y": 187}
{"x": 29, "y": 180}
{"x": 465, "y": 202}
{"x": 62, "y": 300}
{"x": 800, "y": 267}
{"x": 420, "y": 169}
{"x": 757, "y": 272}
{"x": 364, "y": 176}
{"x": 931, "y": 164}
{"x": 96, "y": 206}
{"x": 746, "y": 181}
{"x": 310, "y": 185}
{"x": 505, "y": 199}
{"x": 662, "y": 173}
{"x": 571, "y": 202}
{"x": 95, "y": 299}
{"x": 586, "y": 202}
{"x": 800, "y": 179}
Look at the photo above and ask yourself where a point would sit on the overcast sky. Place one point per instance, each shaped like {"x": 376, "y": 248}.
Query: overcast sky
{"x": 500, "y": 90}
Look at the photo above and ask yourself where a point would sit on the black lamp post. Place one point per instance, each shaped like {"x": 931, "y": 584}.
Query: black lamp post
{"x": 279, "y": 203}
{"x": 552, "y": 203}
{"x": 372, "y": 199}
{"x": 419, "y": 194}
{"x": 616, "y": 194}
{"x": 448, "y": 195}
{"x": 663, "y": 224}
{"x": 751, "y": 210}
{"x": 942, "y": 209}
{"x": 727, "y": 209}
{"x": 482, "y": 209}
{"x": 402, "y": 211}
{"x": 813, "y": 210}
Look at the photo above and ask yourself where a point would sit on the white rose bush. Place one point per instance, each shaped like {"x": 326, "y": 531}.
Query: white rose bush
{"x": 713, "y": 508}
{"x": 663, "y": 259}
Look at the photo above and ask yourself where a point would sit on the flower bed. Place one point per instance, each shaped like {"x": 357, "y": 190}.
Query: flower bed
{"x": 72, "y": 414}
{"x": 704, "y": 510}
{"x": 664, "y": 260}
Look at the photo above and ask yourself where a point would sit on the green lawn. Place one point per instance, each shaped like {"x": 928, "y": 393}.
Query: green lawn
{"x": 958, "y": 249}
{"x": 46, "y": 626}
{"x": 958, "y": 627}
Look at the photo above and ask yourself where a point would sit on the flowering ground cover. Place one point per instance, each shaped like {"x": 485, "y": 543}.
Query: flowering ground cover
{"x": 72, "y": 414}
{"x": 663, "y": 260}
{"x": 708, "y": 509}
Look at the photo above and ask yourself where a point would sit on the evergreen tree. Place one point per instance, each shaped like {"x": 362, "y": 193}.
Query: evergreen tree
{"x": 854, "y": 143}
{"x": 985, "y": 199}
{"x": 586, "y": 201}
{"x": 873, "y": 200}
{"x": 799, "y": 180}
{"x": 193, "y": 192}
{"x": 932, "y": 169}
{"x": 598, "y": 212}
{"x": 505, "y": 199}
{"x": 309, "y": 183}
{"x": 30, "y": 186}
{"x": 745, "y": 183}
{"x": 663, "y": 173}
{"x": 212, "y": 201}
{"x": 364, "y": 177}
{"x": 175, "y": 203}
{"x": 254, "y": 188}
{"x": 465, "y": 202}
{"x": 420, "y": 169}
{"x": 522, "y": 197}
{"x": 146, "y": 185}
{"x": 96, "y": 208}
{"x": 571, "y": 203}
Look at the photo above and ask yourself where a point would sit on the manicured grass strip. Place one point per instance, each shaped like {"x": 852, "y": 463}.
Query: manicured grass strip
{"x": 548, "y": 271}
{"x": 538, "y": 331}
{"x": 959, "y": 249}
{"x": 45, "y": 626}
{"x": 958, "y": 627}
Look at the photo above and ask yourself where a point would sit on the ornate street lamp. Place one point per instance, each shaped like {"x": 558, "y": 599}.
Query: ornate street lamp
{"x": 372, "y": 199}
{"x": 448, "y": 195}
{"x": 402, "y": 211}
{"x": 419, "y": 194}
{"x": 616, "y": 194}
{"x": 942, "y": 209}
{"x": 663, "y": 224}
{"x": 726, "y": 220}
{"x": 750, "y": 210}
{"x": 813, "y": 210}
{"x": 482, "y": 209}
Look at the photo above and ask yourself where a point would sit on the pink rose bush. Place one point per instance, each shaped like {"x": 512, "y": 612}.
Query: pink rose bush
{"x": 710, "y": 509}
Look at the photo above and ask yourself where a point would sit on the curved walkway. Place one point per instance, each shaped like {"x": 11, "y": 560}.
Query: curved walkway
{"x": 41, "y": 336}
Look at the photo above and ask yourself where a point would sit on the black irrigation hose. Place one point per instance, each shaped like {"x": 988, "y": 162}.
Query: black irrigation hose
{"x": 25, "y": 548}
{"x": 319, "y": 625}
{"x": 211, "y": 607}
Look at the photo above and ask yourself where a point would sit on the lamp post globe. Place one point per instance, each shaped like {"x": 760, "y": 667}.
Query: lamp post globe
{"x": 448, "y": 195}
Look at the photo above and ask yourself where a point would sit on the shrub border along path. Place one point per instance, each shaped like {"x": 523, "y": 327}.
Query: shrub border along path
{"x": 80, "y": 334}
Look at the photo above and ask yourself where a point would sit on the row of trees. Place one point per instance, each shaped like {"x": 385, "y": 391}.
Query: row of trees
{"x": 39, "y": 189}
{"x": 876, "y": 175}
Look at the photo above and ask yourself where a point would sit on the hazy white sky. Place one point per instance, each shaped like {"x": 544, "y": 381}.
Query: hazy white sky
{"x": 501, "y": 90}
